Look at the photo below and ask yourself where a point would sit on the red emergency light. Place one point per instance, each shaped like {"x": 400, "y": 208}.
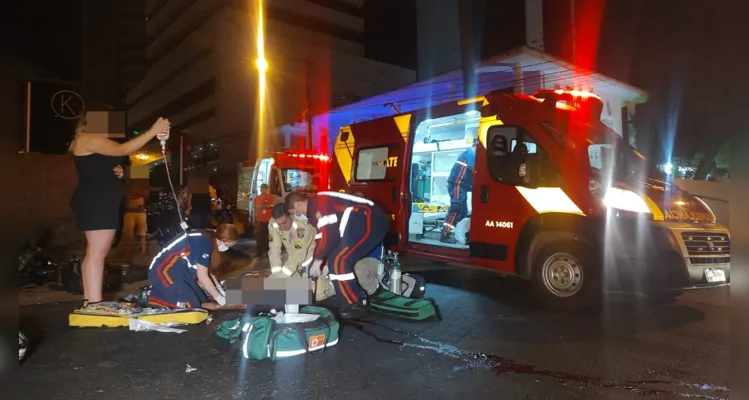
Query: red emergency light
{"x": 321, "y": 157}
{"x": 577, "y": 99}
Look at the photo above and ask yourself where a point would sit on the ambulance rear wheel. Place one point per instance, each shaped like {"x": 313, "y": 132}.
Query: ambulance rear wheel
{"x": 565, "y": 276}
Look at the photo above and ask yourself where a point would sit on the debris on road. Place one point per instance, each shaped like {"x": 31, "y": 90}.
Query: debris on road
{"x": 190, "y": 368}
{"x": 139, "y": 325}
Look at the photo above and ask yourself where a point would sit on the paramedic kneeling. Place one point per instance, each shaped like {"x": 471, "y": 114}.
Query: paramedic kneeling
{"x": 348, "y": 229}
{"x": 179, "y": 274}
{"x": 459, "y": 183}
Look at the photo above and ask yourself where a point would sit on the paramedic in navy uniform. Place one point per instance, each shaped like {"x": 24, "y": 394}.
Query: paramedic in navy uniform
{"x": 179, "y": 274}
{"x": 349, "y": 228}
{"x": 459, "y": 183}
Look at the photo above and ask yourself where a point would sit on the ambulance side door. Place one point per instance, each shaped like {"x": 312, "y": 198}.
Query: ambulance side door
{"x": 377, "y": 168}
{"x": 499, "y": 211}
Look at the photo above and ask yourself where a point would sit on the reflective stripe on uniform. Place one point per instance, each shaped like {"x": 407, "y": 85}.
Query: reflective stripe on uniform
{"x": 327, "y": 220}
{"x": 275, "y": 269}
{"x": 167, "y": 248}
{"x": 345, "y": 277}
{"x": 286, "y": 271}
{"x": 318, "y": 236}
{"x": 344, "y": 220}
{"x": 307, "y": 262}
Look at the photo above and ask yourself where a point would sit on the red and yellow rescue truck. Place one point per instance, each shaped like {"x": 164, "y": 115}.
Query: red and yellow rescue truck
{"x": 557, "y": 197}
{"x": 283, "y": 172}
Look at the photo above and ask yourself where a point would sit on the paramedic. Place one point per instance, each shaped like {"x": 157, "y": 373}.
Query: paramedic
{"x": 459, "y": 183}
{"x": 349, "y": 229}
{"x": 179, "y": 274}
{"x": 298, "y": 238}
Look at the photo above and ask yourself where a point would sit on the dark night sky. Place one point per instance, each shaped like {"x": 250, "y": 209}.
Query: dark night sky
{"x": 688, "y": 54}
{"x": 47, "y": 32}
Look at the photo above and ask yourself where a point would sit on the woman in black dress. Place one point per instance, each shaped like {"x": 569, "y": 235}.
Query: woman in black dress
{"x": 97, "y": 198}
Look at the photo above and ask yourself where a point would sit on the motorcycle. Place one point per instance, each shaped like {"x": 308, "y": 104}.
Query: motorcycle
{"x": 162, "y": 218}
{"x": 35, "y": 266}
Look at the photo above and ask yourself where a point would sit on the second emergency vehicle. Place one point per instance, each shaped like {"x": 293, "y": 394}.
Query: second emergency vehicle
{"x": 284, "y": 172}
{"x": 556, "y": 196}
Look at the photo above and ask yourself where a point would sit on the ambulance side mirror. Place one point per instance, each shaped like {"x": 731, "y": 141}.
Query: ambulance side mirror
{"x": 530, "y": 171}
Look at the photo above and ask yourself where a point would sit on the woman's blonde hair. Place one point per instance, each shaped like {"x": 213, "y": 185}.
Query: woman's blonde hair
{"x": 80, "y": 128}
{"x": 226, "y": 233}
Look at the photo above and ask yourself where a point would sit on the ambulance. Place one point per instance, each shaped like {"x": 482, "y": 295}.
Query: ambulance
{"x": 557, "y": 198}
{"x": 283, "y": 172}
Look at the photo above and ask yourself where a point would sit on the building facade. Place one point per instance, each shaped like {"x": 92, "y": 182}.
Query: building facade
{"x": 568, "y": 31}
{"x": 113, "y": 50}
{"x": 202, "y": 71}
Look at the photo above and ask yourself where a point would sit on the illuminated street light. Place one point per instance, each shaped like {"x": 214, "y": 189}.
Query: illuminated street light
{"x": 261, "y": 64}
{"x": 668, "y": 168}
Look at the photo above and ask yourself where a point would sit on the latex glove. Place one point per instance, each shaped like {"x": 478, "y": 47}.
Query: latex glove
{"x": 315, "y": 270}
{"x": 221, "y": 290}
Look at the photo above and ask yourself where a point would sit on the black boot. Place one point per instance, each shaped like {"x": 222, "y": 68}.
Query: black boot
{"x": 448, "y": 239}
{"x": 354, "y": 311}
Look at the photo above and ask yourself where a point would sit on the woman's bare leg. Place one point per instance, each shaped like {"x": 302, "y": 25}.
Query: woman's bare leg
{"x": 97, "y": 247}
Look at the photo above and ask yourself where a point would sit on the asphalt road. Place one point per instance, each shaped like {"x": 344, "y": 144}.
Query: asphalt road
{"x": 491, "y": 343}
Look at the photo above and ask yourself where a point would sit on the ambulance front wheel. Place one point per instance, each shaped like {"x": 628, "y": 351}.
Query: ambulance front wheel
{"x": 565, "y": 276}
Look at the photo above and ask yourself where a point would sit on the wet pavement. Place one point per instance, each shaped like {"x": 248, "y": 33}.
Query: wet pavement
{"x": 491, "y": 343}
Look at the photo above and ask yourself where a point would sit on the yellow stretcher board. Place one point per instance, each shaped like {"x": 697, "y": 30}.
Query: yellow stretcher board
{"x": 429, "y": 207}
{"x": 187, "y": 316}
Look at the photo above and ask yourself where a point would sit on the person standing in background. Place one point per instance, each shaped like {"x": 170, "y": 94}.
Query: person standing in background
{"x": 200, "y": 199}
{"x": 263, "y": 205}
{"x": 134, "y": 223}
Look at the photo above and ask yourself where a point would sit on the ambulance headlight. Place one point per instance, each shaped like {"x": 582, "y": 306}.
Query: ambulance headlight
{"x": 625, "y": 200}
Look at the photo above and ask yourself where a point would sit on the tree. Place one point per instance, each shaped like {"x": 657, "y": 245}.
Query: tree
{"x": 716, "y": 155}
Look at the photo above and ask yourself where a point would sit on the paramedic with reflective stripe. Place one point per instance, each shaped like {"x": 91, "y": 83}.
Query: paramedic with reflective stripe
{"x": 179, "y": 274}
{"x": 459, "y": 183}
{"x": 349, "y": 228}
{"x": 297, "y": 237}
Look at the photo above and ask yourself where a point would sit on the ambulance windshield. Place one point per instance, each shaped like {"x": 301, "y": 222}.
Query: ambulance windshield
{"x": 305, "y": 179}
{"x": 611, "y": 156}
{"x": 608, "y": 155}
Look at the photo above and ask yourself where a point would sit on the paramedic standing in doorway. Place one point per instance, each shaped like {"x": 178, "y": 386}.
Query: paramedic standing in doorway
{"x": 459, "y": 183}
{"x": 349, "y": 228}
